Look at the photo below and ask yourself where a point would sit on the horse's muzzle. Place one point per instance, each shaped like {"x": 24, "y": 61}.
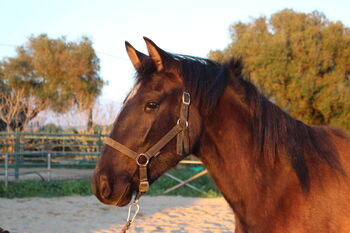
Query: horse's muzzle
{"x": 111, "y": 193}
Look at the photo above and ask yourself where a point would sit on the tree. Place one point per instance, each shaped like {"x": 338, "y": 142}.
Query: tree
{"x": 52, "y": 74}
{"x": 300, "y": 61}
{"x": 10, "y": 108}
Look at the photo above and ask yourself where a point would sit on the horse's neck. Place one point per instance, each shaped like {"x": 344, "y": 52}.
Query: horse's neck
{"x": 226, "y": 149}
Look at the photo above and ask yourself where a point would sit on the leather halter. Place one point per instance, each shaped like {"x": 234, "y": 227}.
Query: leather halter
{"x": 142, "y": 159}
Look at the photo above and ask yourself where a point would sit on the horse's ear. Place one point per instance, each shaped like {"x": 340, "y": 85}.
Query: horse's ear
{"x": 158, "y": 55}
{"x": 135, "y": 56}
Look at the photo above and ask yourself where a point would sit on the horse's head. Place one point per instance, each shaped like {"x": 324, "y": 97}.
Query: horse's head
{"x": 150, "y": 111}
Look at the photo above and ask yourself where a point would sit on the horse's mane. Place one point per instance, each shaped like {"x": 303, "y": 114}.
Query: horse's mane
{"x": 204, "y": 79}
{"x": 274, "y": 131}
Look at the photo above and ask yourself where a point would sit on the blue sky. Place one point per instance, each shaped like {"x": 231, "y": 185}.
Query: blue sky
{"x": 192, "y": 27}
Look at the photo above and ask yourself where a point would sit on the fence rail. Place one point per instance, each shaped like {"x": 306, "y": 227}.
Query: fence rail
{"x": 23, "y": 149}
{"x": 23, "y": 141}
{"x": 49, "y": 150}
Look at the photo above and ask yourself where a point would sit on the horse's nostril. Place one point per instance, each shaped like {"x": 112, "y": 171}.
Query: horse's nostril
{"x": 105, "y": 189}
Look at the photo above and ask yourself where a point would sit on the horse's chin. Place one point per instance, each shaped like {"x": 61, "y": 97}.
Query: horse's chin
{"x": 121, "y": 198}
{"x": 125, "y": 198}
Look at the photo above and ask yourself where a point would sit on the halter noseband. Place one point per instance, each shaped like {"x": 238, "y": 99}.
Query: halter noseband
{"x": 142, "y": 159}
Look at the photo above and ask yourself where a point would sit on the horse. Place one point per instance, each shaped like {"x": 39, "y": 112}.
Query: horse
{"x": 278, "y": 174}
{"x": 3, "y": 231}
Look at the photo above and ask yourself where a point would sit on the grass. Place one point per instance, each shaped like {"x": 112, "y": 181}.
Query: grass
{"x": 34, "y": 188}
{"x": 204, "y": 183}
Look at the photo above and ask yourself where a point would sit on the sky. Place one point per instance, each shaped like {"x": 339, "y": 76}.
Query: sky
{"x": 192, "y": 27}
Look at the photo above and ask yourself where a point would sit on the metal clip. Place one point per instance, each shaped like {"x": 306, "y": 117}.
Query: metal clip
{"x": 137, "y": 208}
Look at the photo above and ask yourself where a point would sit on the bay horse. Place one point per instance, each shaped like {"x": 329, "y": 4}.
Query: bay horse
{"x": 278, "y": 174}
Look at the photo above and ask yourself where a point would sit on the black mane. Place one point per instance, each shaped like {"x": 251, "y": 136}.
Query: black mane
{"x": 204, "y": 79}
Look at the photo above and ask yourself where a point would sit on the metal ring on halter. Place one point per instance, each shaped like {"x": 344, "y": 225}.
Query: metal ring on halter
{"x": 179, "y": 123}
{"x": 138, "y": 159}
{"x": 186, "y": 99}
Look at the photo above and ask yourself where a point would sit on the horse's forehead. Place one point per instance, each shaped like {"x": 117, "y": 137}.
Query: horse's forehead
{"x": 133, "y": 92}
{"x": 158, "y": 84}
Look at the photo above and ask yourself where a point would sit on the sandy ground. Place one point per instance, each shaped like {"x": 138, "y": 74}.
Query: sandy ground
{"x": 55, "y": 173}
{"x": 78, "y": 214}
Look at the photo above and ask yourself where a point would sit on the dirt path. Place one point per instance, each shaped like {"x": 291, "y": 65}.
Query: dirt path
{"x": 86, "y": 214}
{"x": 56, "y": 173}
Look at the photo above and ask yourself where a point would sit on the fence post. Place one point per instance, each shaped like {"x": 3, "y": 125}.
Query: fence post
{"x": 99, "y": 142}
{"x": 17, "y": 154}
{"x": 6, "y": 171}
{"x": 49, "y": 166}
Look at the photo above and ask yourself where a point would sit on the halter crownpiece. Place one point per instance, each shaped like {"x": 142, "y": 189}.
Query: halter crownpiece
{"x": 142, "y": 159}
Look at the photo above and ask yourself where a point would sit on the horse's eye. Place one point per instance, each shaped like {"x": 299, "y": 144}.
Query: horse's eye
{"x": 151, "y": 106}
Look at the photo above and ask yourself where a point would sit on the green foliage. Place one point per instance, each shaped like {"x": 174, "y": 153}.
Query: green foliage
{"x": 51, "y": 128}
{"x": 204, "y": 183}
{"x": 300, "y": 61}
{"x": 104, "y": 129}
{"x": 51, "y": 74}
{"x": 35, "y": 188}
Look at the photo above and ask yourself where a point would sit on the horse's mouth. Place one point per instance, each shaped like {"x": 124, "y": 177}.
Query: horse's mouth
{"x": 117, "y": 198}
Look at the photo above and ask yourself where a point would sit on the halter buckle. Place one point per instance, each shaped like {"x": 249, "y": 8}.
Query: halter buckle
{"x": 143, "y": 186}
{"x": 186, "y": 98}
{"x": 179, "y": 122}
